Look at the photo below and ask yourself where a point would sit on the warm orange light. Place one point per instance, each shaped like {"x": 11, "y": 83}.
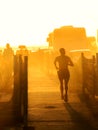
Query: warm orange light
{"x": 29, "y": 22}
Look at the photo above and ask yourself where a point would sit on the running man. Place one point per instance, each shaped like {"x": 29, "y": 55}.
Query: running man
{"x": 61, "y": 63}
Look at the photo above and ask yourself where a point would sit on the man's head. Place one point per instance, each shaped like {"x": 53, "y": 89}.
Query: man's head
{"x": 7, "y": 45}
{"x": 62, "y": 51}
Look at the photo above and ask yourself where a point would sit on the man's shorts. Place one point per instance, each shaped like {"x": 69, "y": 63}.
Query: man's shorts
{"x": 63, "y": 75}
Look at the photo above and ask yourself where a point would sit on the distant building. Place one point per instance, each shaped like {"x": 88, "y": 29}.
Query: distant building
{"x": 68, "y": 37}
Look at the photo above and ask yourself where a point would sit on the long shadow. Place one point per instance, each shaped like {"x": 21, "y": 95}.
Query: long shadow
{"x": 79, "y": 121}
{"x": 90, "y": 103}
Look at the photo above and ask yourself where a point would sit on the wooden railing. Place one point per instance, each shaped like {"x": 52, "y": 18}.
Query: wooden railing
{"x": 89, "y": 75}
{"x": 16, "y": 108}
{"x": 20, "y": 93}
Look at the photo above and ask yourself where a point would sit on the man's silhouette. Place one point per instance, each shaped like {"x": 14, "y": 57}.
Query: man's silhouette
{"x": 61, "y": 63}
{"x": 8, "y": 52}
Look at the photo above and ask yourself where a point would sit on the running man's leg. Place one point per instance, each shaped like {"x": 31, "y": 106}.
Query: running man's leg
{"x": 66, "y": 86}
{"x": 66, "y": 91}
{"x": 61, "y": 88}
{"x": 60, "y": 76}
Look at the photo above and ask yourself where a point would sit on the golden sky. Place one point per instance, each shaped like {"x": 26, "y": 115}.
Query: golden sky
{"x": 29, "y": 21}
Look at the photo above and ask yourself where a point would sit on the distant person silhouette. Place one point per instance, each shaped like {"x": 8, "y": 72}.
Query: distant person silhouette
{"x": 61, "y": 63}
{"x": 8, "y": 52}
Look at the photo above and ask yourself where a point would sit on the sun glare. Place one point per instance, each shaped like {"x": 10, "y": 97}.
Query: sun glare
{"x": 29, "y": 22}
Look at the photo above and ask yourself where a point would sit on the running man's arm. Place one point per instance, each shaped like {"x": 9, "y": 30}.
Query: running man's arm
{"x": 70, "y": 62}
{"x": 55, "y": 63}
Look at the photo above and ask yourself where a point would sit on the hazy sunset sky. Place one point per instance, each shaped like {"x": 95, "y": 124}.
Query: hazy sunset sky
{"x": 29, "y": 21}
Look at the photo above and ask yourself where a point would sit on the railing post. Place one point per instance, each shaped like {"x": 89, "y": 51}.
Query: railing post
{"x": 16, "y": 98}
{"x": 25, "y": 101}
{"x": 20, "y": 92}
{"x": 96, "y": 88}
{"x": 94, "y": 77}
{"x": 83, "y": 77}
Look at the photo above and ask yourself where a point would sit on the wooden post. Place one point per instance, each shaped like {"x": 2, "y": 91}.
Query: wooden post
{"x": 20, "y": 86}
{"x": 20, "y": 92}
{"x": 25, "y": 90}
{"x": 83, "y": 77}
{"x": 94, "y": 76}
{"x": 96, "y": 88}
{"x": 16, "y": 98}
{"x": 16, "y": 83}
